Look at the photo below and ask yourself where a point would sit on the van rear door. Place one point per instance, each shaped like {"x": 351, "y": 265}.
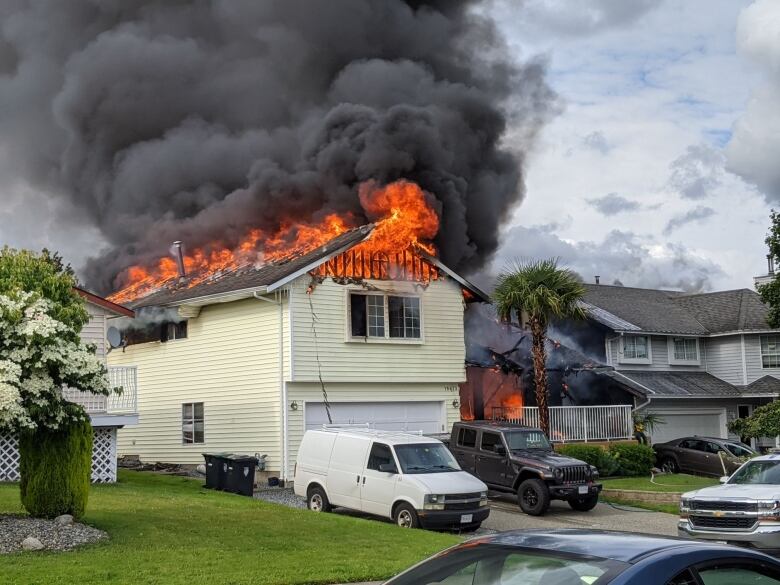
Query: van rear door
{"x": 346, "y": 470}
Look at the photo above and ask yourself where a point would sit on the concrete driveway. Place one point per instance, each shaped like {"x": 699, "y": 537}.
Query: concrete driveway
{"x": 506, "y": 515}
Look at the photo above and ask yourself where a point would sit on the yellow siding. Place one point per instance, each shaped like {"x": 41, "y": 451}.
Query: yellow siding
{"x": 312, "y": 392}
{"x": 94, "y": 332}
{"x": 230, "y": 362}
{"x": 438, "y": 359}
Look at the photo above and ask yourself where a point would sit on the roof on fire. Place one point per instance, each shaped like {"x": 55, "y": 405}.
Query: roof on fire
{"x": 273, "y": 275}
{"x": 661, "y": 311}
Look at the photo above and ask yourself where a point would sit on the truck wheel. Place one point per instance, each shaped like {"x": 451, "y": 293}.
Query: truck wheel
{"x": 533, "y": 497}
{"x": 318, "y": 501}
{"x": 405, "y": 516}
{"x": 669, "y": 465}
{"x": 584, "y": 504}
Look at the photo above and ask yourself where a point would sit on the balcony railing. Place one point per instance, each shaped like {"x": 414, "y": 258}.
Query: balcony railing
{"x": 575, "y": 423}
{"x": 124, "y": 377}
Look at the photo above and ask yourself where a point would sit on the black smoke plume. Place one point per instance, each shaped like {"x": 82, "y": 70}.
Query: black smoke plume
{"x": 196, "y": 120}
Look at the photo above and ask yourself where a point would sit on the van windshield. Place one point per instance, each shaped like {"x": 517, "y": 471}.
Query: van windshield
{"x": 426, "y": 458}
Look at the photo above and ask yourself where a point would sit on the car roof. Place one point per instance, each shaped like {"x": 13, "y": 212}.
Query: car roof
{"x": 387, "y": 437}
{"x": 496, "y": 425}
{"x": 617, "y": 546}
{"x": 768, "y": 457}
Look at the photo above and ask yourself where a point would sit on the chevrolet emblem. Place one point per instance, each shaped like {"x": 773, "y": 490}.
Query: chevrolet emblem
{"x": 718, "y": 514}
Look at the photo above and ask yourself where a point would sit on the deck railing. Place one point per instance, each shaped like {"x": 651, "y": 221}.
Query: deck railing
{"x": 124, "y": 377}
{"x": 575, "y": 423}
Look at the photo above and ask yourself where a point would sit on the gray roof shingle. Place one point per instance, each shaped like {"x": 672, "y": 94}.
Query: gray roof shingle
{"x": 675, "y": 384}
{"x": 662, "y": 311}
{"x": 768, "y": 385}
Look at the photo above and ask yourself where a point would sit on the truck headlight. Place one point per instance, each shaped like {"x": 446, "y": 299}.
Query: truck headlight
{"x": 483, "y": 499}
{"x": 593, "y": 472}
{"x": 434, "y": 502}
{"x": 685, "y": 504}
{"x": 769, "y": 510}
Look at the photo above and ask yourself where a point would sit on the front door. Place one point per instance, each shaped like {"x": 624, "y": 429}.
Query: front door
{"x": 377, "y": 486}
{"x": 493, "y": 467}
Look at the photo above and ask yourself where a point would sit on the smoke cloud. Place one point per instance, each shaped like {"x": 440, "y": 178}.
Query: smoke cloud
{"x": 197, "y": 120}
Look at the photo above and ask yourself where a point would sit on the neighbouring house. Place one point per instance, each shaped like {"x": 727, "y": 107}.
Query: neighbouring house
{"x": 107, "y": 413}
{"x": 697, "y": 360}
{"x": 248, "y": 359}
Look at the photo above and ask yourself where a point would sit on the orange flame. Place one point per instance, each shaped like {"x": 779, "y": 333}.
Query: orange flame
{"x": 401, "y": 212}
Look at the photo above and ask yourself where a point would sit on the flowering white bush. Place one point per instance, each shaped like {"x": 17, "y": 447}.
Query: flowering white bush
{"x": 39, "y": 356}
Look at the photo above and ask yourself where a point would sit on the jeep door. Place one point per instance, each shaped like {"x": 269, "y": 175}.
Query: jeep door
{"x": 492, "y": 466}
{"x": 464, "y": 449}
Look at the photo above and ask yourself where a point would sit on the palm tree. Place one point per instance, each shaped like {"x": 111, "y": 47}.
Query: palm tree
{"x": 537, "y": 292}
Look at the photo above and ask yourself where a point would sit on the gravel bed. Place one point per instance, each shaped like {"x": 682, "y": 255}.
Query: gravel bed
{"x": 14, "y": 529}
{"x": 280, "y": 495}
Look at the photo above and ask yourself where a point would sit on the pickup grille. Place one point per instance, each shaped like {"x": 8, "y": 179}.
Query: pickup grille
{"x": 575, "y": 474}
{"x": 728, "y": 522}
{"x": 724, "y": 506}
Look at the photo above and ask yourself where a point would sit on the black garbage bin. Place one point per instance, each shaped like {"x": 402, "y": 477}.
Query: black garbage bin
{"x": 240, "y": 474}
{"x": 216, "y": 470}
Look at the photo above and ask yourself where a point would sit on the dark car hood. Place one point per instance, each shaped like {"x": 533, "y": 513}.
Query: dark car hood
{"x": 551, "y": 458}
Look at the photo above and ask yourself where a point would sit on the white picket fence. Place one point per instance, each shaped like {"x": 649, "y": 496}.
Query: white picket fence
{"x": 575, "y": 423}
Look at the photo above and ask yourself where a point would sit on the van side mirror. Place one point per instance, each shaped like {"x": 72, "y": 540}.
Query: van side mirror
{"x": 388, "y": 468}
{"x": 724, "y": 479}
{"x": 499, "y": 450}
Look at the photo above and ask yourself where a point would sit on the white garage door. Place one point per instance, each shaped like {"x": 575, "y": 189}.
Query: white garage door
{"x": 387, "y": 416}
{"x": 678, "y": 425}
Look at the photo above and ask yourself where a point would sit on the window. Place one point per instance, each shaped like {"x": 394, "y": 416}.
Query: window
{"x": 192, "y": 423}
{"x": 770, "y": 351}
{"x": 467, "y": 438}
{"x": 739, "y": 574}
{"x": 380, "y": 316}
{"x": 380, "y": 455}
{"x": 684, "y": 349}
{"x": 490, "y": 440}
{"x": 636, "y": 348}
{"x": 170, "y": 331}
{"x": 694, "y": 444}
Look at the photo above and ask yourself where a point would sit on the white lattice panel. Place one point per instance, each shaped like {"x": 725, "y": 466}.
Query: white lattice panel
{"x": 9, "y": 458}
{"x": 103, "y": 456}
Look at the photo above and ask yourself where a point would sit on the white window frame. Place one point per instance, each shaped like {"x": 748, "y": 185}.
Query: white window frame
{"x": 622, "y": 356}
{"x": 682, "y": 362}
{"x": 761, "y": 351}
{"x": 386, "y": 339}
{"x": 194, "y": 420}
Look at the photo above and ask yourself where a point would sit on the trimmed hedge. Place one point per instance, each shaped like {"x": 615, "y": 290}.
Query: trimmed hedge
{"x": 55, "y": 467}
{"x": 633, "y": 460}
{"x": 593, "y": 455}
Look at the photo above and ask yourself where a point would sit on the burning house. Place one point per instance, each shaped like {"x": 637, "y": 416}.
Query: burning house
{"x": 363, "y": 326}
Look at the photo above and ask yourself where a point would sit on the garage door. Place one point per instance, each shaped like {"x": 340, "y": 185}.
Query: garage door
{"x": 678, "y": 425}
{"x": 386, "y": 416}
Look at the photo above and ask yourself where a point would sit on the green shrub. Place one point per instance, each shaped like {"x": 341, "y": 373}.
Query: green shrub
{"x": 634, "y": 460}
{"x": 55, "y": 467}
{"x": 593, "y": 455}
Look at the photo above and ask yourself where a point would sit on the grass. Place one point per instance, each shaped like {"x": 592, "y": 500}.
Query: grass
{"x": 170, "y": 530}
{"x": 672, "y": 483}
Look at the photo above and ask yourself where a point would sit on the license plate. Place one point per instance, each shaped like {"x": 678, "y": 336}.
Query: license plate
{"x": 465, "y": 518}
{"x": 583, "y": 489}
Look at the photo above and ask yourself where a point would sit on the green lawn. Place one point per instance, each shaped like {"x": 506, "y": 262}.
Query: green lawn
{"x": 170, "y": 530}
{"x": 661, "y": 483}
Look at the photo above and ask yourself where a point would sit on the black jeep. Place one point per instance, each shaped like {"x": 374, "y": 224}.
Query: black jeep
{"x": 514, "y": 458}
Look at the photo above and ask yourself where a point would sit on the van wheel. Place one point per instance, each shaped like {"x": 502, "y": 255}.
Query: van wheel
{"x": 533, "y": 497}
{"x": 584, "y": 504}
{"x": 406, "y": 517}
{"x": 318, "y": 501}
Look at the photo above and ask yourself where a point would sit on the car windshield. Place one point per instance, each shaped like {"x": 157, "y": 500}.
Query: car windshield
{"x": 426, "y": 458}
{"x": 487, "y": 564}
{"x": 517, "y": 440}
{"x": 757, "y": 472}
{"x": 738, "y": 450}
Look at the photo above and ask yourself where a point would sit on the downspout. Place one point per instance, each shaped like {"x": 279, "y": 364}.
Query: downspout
{"x": 282, "y": 383}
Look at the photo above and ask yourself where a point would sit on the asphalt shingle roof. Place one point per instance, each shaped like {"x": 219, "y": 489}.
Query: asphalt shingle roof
{"x": 675, "y": 384}
{"x": 662, "y": 311}
{"x": 768, "y": 385}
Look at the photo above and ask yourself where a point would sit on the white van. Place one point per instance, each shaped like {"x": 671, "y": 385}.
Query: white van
{"x": 410, "y": 478}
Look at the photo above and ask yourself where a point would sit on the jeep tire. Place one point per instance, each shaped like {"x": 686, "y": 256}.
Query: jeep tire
{"x": 584, "y": 504}
{"x": 533, "y": 497}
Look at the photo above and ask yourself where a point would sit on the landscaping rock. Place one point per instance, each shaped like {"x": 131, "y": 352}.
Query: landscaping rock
{"x": 32, "y": 543}
{"x": 280, "y": 495}
{"x": 22, "y": 533}
{"x": 64, "y": 520}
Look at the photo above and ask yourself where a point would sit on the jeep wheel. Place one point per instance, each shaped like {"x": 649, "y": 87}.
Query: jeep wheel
{"x": 669, "y": 465}
{"x": 533, "y": 497}
{"x": 584, "y": 504}
{"x": 317, "y": 500}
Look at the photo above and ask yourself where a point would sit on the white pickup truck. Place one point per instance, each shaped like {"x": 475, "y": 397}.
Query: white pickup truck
{"x": 744, "y": 510}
